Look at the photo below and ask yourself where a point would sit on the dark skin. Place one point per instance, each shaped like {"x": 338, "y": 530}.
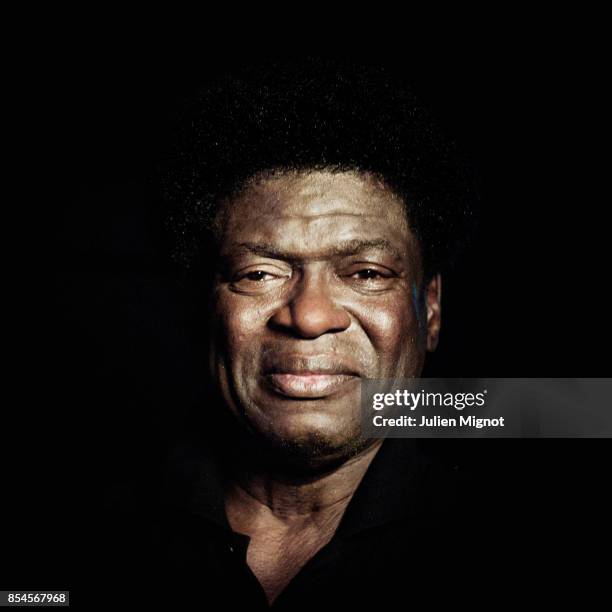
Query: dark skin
{"x": 320, "y": 285}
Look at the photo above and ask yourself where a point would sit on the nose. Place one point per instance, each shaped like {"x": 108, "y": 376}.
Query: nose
{"x": 311, "y": 310}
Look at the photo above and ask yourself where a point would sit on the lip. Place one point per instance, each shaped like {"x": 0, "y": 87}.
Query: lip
{"x": 308, "y": 376}
{"x": 308, "y": 385}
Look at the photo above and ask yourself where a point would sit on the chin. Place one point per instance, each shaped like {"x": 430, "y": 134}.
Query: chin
{"x": 312, "y": 442}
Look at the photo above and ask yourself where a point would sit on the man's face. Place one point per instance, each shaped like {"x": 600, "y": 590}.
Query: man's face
{"x": 318, "y": 287}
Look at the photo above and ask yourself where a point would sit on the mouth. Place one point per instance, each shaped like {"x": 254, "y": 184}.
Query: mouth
{"x": 308, "y": 385}
{"x": 308, "y": 377}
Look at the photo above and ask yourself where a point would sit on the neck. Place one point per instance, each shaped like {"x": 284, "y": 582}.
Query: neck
{"x": 261, "y": 490}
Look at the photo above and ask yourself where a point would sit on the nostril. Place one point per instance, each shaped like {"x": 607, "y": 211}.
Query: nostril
{"x": 318, "y": 316}
{"x": 311, "y": 318}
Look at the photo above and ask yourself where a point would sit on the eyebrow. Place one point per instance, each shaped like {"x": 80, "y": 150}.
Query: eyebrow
{"x": 343, "y": 249}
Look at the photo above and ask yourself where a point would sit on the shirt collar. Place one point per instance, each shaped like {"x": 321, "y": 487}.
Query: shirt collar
{"x": 389, "y": 490}
{"x": 193, "y": 483}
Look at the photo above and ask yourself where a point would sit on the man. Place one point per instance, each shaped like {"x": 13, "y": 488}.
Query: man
{"x": 317, "y": 294}
{"x": 314, "y": 207}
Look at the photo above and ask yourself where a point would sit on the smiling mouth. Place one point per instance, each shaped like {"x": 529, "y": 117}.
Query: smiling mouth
{"x": 308, "y": 385}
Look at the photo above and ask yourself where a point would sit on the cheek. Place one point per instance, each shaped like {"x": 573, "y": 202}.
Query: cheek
{"x": 391, "y": 326}
{"x": 239, "y": 321}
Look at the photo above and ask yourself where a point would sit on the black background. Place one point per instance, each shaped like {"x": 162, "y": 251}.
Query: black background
{"x": 102, "y": 360}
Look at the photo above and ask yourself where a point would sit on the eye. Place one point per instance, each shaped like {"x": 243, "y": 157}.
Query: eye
{"x": 368, "y": 274}
{"x": 257, "y": 275}
{"x": 258, "y": 280}
{"x": 366, "y": 277}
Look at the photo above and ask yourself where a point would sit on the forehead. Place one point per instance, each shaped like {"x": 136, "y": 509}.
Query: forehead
{"x": 308, "y": 211}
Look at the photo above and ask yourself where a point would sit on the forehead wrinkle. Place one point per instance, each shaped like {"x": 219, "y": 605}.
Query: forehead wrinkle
{"x": 308, "y": 223}
{"x": 317, "y": 215}
{"x": 297, "y": 205}
{"x": 324, "y": 207}
{"x": 348, "y": 247}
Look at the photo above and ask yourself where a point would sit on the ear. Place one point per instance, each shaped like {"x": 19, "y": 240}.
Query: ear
{"x": 433, "y": 296}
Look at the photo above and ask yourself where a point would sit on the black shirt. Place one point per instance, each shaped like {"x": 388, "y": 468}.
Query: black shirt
{"x": 415, "y": 528}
